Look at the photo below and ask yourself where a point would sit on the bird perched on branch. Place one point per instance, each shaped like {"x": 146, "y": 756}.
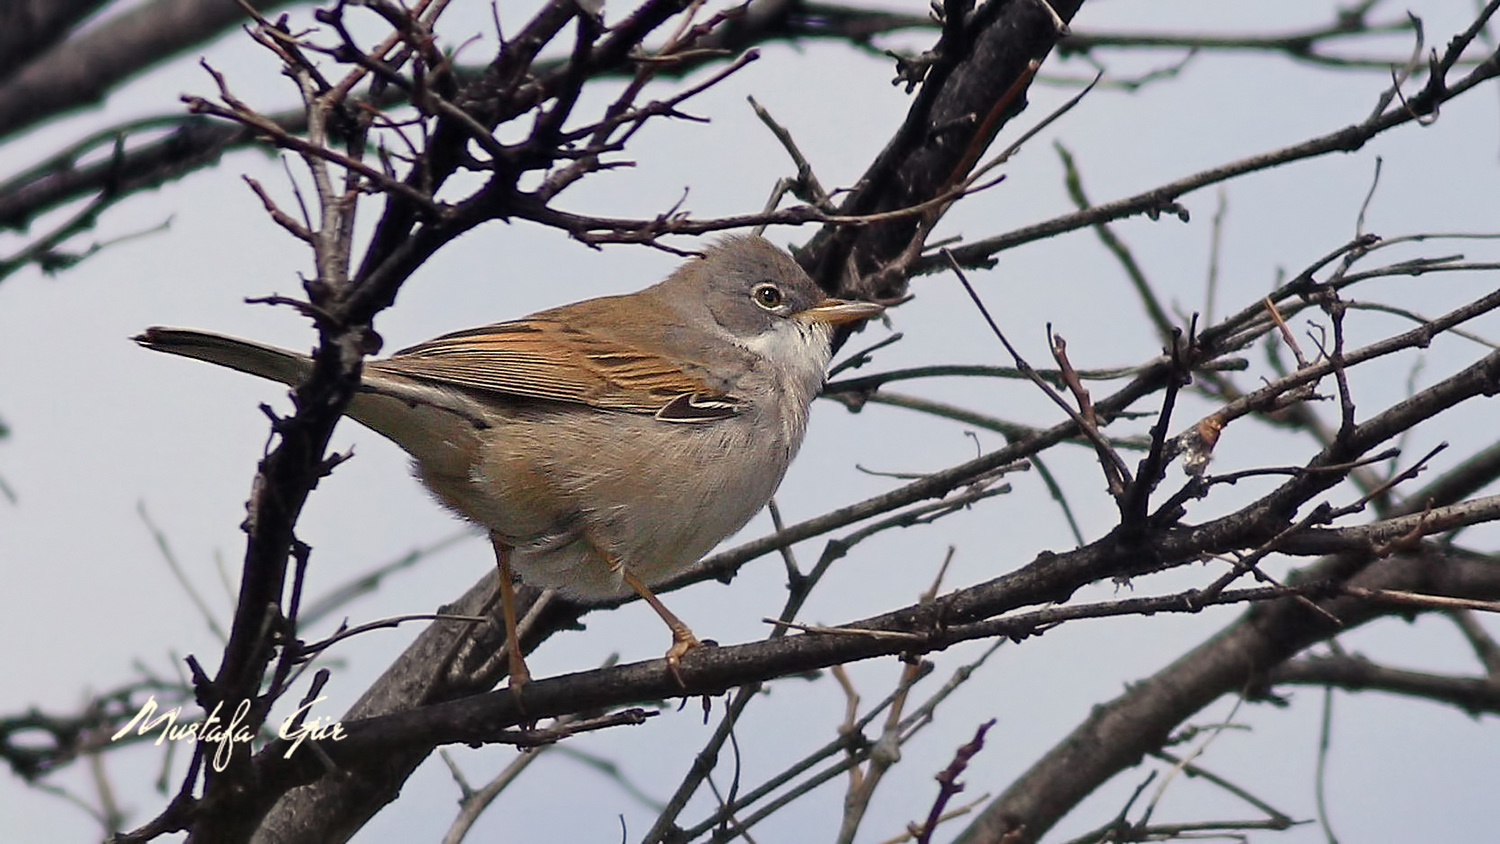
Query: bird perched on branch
{"x": 606, "y": 444}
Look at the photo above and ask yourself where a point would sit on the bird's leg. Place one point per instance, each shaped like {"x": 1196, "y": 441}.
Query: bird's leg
{"x": 519, "y": 675}
{"x": 683, "y": 639}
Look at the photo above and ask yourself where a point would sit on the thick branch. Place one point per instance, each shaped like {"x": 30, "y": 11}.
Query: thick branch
{"x": 1118, "y": 733}
{"x": 27, "y": 27}
{"x": 956, "y": 114}
{"x": 80, "y": 71}
{"x": 1474, "y": 695}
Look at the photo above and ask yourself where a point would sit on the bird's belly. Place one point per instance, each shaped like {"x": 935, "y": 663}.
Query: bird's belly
{"x": 579, "y": 500}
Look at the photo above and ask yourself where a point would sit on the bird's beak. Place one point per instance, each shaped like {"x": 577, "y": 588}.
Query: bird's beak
{"x": 839, "y": 311}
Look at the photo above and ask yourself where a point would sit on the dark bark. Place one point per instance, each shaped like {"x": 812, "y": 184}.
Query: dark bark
{"x": 27, "y": 27}
{"x": 80, "y": 71}
{"x": 1118, "y": 734}
{"x": 958, "y": 111}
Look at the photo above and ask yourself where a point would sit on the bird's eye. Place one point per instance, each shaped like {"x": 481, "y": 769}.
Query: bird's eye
{"x": 767, "y": 295}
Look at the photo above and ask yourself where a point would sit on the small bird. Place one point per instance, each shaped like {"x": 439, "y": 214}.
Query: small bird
{"x": 606, "y": 444}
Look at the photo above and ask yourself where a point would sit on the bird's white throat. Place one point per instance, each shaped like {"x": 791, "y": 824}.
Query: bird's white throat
{"x": 798, "y": 351}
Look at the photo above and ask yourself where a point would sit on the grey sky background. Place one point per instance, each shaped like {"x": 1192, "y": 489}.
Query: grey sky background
{"x": 102, "y": 430}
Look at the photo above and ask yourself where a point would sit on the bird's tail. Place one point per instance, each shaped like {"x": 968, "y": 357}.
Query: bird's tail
{"x": 438, "y": 426}
{"x": 265, "y": 361}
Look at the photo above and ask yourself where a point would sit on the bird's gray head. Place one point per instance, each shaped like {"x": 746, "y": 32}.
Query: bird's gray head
{"x": 751, "y": 293}
{"x": 752, "y": 289}
{"x": 750, "y": 286}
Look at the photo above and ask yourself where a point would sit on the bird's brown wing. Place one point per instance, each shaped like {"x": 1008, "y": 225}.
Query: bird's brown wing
{"x": 541, "y": 358}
